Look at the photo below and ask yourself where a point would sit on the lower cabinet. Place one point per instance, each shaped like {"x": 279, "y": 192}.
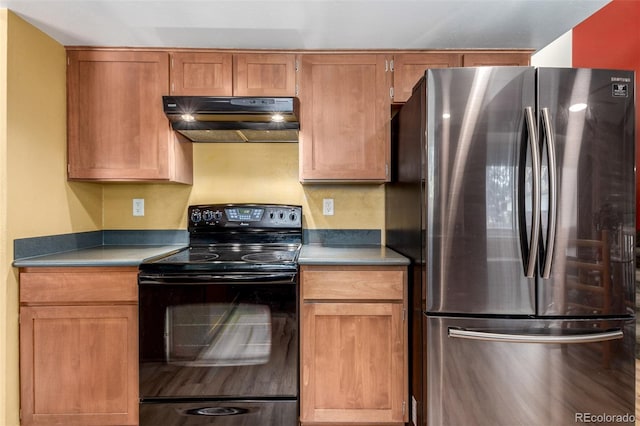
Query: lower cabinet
{"x": 353, "y": 345}
{"x": 78, "y": 346}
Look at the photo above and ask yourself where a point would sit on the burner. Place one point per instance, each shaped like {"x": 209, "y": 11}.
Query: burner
{"x": 269, "y": 257}
{"x": 203, "y": 257}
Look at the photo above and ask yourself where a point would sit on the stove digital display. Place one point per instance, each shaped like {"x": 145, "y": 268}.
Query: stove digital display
{"x": 244, "y": 214}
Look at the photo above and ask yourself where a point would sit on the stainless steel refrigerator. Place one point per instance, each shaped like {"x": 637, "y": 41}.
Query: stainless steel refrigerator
{"x": 513, "y": 192}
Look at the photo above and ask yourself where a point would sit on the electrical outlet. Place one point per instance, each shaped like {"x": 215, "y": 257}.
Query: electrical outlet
{"x": 138, "y": 206}
{"x": 327, "y": 206}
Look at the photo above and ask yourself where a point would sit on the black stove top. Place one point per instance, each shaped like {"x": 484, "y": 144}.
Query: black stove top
{"x": 237, "y": 237}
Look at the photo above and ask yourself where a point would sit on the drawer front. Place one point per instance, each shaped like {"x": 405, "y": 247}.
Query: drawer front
{"x": 75, "y": 286}
{"x": 340, "y": 283}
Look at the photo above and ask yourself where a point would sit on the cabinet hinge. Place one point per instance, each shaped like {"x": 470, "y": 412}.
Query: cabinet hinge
{"x": 386, "y": 65}
{"x": 391, "y": 92}
{"x": 391, "y": 66}
{"x": 297, "y": 64}
{"x": 173, "y": 88}
{"x": 171, "y": 62}
{"x": 297, "y": 89}
{"x": 386, "y": 170}
{"x": 404, "y": 407}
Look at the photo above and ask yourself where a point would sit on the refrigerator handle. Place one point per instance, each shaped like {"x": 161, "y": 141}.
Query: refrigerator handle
{"x": 553, "y": 192}
{"x": 604, "y": 336}
{"x": 535, "y": 208}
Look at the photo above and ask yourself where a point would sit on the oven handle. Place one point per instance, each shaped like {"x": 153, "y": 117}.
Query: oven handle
{"x": 199, "y": 278}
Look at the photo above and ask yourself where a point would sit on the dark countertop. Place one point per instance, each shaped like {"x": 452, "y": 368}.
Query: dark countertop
{"x": 107, "y": 255}
{"x": 343, "y": 255}
{"x": 133, "y": 255}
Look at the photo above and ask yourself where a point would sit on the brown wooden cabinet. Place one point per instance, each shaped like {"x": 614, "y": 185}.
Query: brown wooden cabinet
{"x": 78, "y": 346}
{"x": 408, "y": 68}
{"x": 264, "y": 74}
{"x": 117, "y": 130}
{"x": 345, "y": 110}
{"x": 353, "y": 345}
{"x": 477, "y": 59}
{"x": 203, "y": 73}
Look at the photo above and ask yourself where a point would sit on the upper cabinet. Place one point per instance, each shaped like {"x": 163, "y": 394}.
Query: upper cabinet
{"x": 478, "y": 59}
{"x": 233, "y": 74}
{"x": 345, "y": 110}
{"x": 267, "y": 74}
{"x": 408, "y": 68}
{"x": 117, "y": 130}
{"x": 201, "y": 74}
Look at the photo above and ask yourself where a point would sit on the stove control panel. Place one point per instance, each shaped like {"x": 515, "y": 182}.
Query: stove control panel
{"x": 244, "y": 215}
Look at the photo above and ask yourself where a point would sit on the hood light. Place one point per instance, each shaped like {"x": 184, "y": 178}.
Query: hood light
{"x": 187, "y": 117}
{"x": 277, "y": 118}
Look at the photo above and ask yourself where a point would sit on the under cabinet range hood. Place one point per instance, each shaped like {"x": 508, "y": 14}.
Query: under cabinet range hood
{"x": 233, "y": 119}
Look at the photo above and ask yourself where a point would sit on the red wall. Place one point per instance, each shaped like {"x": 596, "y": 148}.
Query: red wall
{"x": 610, "y": 38}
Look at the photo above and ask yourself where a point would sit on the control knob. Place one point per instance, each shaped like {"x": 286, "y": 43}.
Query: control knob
{"x": 217, "y": 215}
{"x": 196, "y": 216}
{"x": 207, "y": 215}
{"x": 293, "y": 217}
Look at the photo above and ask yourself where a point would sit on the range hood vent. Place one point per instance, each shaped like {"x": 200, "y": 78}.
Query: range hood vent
{"x": 233, "y": 119}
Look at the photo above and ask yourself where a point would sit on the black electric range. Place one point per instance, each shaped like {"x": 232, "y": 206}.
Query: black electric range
{"x": 218, "y": 321}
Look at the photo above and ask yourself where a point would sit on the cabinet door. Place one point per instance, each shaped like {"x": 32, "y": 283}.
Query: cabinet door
{"x": 353, "y": 363}
{"x": 201, "y": 74}
{"x": 495, "y": 58}
{"x": 268, "y": 74}
{"x": 117, "y": 129}
{"x": 408, "y": 68}
{"x": 79, "y": 365}
{"x": 345, "y": 110}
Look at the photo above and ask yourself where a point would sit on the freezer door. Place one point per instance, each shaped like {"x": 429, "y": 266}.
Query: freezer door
{"x": 479, "y": 190}
{"x": 505, "y": 372}
{"x": 586, "y": 122}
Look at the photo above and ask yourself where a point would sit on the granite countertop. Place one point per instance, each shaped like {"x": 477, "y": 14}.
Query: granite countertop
{"x": 106, "y": 255}
{"x": 312, "y": 254}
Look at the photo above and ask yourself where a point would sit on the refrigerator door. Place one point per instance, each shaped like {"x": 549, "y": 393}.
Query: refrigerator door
{"x": 586, "y": 122}
{"x": 480, "y": 190}
{"x": 531, "y": 378}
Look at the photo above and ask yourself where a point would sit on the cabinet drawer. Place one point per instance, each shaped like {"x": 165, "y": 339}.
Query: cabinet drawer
{"x": 357, "y": 283}
{"x": 72, "y": 285}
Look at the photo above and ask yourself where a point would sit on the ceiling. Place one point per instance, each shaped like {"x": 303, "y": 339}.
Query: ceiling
{"x": 306, "y": 24}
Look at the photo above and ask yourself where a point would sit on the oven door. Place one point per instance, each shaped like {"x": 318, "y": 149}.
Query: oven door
{"x": 211, "y": 336}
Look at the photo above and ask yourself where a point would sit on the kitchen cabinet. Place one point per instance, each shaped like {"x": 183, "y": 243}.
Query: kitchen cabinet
{"x": 204, "y": 73}
{"x": 344, "y": 125}
{"x": 408, "y": 68}
{"x": 201, "y": 74}
{"x": 353, "y": 345}
{"x": 78, "y": 346}
{"x": 117, "y": 129}
{"x": 477, "y": 59}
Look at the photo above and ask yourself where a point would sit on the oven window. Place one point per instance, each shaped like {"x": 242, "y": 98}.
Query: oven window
{"x": 218, "y": 340}
{"x": 217, "y": 334}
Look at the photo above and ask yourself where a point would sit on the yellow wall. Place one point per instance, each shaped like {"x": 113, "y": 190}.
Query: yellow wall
{"x": 35, "y": 198}
{"x": 6, "y": 273}
{"x": 244, "y": 173}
